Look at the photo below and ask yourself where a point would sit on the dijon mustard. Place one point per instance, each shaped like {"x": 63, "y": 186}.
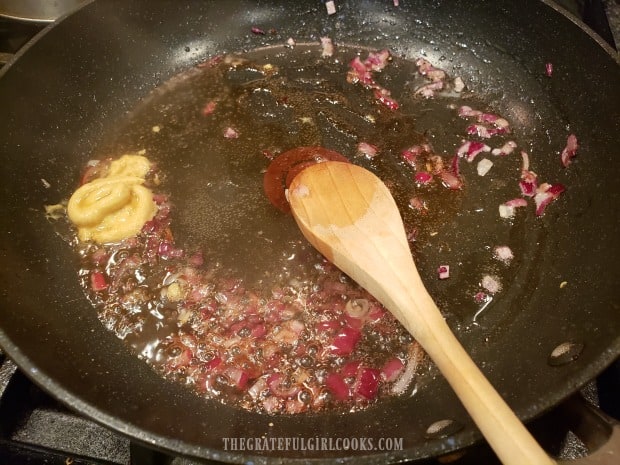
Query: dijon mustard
{"x": 116, "y": 206}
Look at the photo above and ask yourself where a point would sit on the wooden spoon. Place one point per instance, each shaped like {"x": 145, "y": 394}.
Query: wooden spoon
{"x": 349, "y": 215}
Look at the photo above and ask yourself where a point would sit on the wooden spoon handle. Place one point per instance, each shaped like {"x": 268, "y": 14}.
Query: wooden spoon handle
{"x": 505, "y": 433}
{"x": 349, "y": 215}
{"x": 409, "y": 301}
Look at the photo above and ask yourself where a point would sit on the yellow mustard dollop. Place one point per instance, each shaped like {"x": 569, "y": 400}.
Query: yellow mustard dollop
{"x": 116, "y": 206}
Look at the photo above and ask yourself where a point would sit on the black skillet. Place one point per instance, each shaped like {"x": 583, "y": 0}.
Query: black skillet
{"x": 69, "y": 93}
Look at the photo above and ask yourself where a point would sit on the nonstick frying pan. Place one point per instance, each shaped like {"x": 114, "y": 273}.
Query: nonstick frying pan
{"x": 66, "y": 94}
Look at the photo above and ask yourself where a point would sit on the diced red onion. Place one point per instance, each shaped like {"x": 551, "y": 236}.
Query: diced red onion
{"x": 569, "y": 152}
{"x": 484, "y": 166}
{"x": 337, "y": 386}
{"x": 392, "y": 369}
{"x": 426, "y": 68}
{"x": 455, "y": 165}
{"x": 257, "y": 30}
{"x": 467, "y": 111}
{"x": 345, "y": 341}
{"x": 491, "y": 284}
{"x": 98, "y": 281}
{"x": 209, "y": 107}
{"x": 196, "y": 259}
{"x": 471, "y": 149}
{"x": 525, "y": 161}
{"x": 411, "y": 154}
{"x": 275, "y": 382}
{"x": 359, "y": 73}
{"x": 450, "y": 180}
{"x": 350, "y": 369}
{"x": 357, "y": 308}
{"x": 479, "y": 130}
{"x": 518, "y": 202}
{"x": 167, "y": 251}
{"x": 507, "y": 209}
{"x": 423, "y": 177}
{"x": 545, "y": 195}
{"x": 258, "y": 388}
{"x": 330, "y": 6}
{"x": 428, "y": 90}
{"x": 503, "y": 253}
{"x": 402, "y": 383}
{"x": 443, "y": 271}
{"x": 529, "y": 180}
{"x": 231, "y": 133}
{"x": 272, "y": 404}
{"x": 367, "y": 384}
{"x": 238, "y": 377}
{"x": 505, "y": 149}
{"x": 458, "y": 84}
{"x": 327, "y": 47}
{"x": 383, "y": 96}
{"x": 366, "y": 149}
{"x": 549, "y": 69}
{"x": 481, "y": 297}
{"x": 327, "y": 326}
{"x": 417, "y": 204}
{"x": 377, "y": 61}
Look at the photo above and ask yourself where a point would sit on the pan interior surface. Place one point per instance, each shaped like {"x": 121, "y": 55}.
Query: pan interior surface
{"x": 92, "y": 85}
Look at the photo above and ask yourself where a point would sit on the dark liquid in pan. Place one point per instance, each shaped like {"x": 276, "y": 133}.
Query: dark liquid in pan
{"x": 258, "y": 273}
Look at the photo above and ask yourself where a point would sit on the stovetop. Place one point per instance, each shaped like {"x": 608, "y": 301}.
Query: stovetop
{"x": 35, "y": 429}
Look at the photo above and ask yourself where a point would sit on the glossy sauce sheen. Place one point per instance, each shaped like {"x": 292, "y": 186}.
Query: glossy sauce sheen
{"x": 221, "y": 291}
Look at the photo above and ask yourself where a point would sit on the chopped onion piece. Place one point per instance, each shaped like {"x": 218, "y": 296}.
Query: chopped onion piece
{"x": 209, "y": 108}
{"x": 443, "y": 271}
{"x": 417, "y": 204}
{"x": 423, "y": 177}
{"x": 336, "y": 386}
{"x": 428, "y": 90}
{"x": 331, "y": 7}
{"x": 376, "y": 61}
{"x": 507, "y": 209}
{"x": 368, "y": 383}
{"x": 466, "y": 111}
{"x": 491, "y": 284}
{"x": 505, "y": 149}
{"x": 366, "y": 149}
{"x": 231, "y": 133}
{"x": 503, "y": 253}
{"x": 327, "y": 47}
{"x": 471, "y": 149}
{"x": 98, "y": 281}
{"x": 450, "y": 180}
{"x": 414, "y": 358}
{"x": 484, "y": 166}
{"x": 383, "y": 95}
{"x": 458, "y": 83}
{"x": 392, "y": 369}
{"x": 570, "y": 150}
{"x": 549, "y": 69}
{"x": 546, "y": 194}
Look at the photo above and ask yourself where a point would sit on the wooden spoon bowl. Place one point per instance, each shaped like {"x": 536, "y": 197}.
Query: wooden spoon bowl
{"x": 349, "y": 215}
